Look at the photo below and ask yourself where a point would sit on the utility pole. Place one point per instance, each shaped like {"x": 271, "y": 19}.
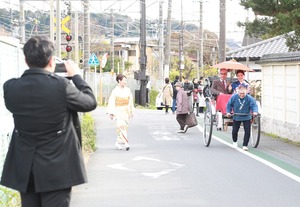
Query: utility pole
{"x": 167, "y": 41}
{"x": 76, "y": 57}
{"x": 143, "y": 57}
{"x": 222, "y": 38}
{"x": 51, "y": 20}
{"x": 58, "y": 29}
{"x": 162, "y": 73}
{"x": 86, "y": 36}
{"x": 201, "y": 40}
{"x": 112, "y": 47}
{"x": 69, "y": 13}
{"x": 181, "y": 58}
{"x": 22, "y": 22}
{"x": 11, "y": 22}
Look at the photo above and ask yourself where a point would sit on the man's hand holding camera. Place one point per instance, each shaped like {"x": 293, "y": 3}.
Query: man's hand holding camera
{"x": 67, "y": 68}
{"x": 72, "y": 68}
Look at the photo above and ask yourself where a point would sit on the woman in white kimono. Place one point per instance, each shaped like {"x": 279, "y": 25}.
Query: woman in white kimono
{"x": 120, "y": 108}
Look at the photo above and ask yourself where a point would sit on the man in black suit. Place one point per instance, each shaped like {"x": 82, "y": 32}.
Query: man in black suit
{"x": 220, "y": 86}
{"x": 44, "y": 159}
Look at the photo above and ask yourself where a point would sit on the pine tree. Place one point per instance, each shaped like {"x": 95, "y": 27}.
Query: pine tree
{"x": 274, "y": 17}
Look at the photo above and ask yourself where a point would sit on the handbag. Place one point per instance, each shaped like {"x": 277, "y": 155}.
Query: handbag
{"x": 191, "y": 120}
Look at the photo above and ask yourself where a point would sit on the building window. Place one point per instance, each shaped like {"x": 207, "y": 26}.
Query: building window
{"x": 131, "y": 53}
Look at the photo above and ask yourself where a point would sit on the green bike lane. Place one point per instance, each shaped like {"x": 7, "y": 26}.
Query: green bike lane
{"x": 273, "y": 152}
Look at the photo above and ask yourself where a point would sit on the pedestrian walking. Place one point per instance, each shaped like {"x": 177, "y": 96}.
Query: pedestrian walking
{"x": 182, "y": 108}
{"x": 188, "y": 88}
{"x": 44, "y": 159}
{"x": 196, "y": 95}
{"x": 167, "y": 95}
{"x": 242, "y": 105}
{"x": 174, "y": 94}
{"x": 202, "y": 103}
{"x": 120, "y": 108}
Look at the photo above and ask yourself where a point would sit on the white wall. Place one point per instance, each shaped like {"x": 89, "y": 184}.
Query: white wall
{"x": 281, "y": 99}
{"x": 12, "y": 65}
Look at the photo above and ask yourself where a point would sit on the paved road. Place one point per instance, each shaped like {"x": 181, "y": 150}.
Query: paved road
{"x": 164, "y": 168}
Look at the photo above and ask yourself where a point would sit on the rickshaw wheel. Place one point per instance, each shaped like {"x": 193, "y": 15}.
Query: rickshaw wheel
{"x": 207, "y": 124}
{"x": 255, "y": 131}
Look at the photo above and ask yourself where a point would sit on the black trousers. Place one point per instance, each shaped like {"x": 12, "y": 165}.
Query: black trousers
{"x": 181, "y": 118}
{"x": 235, "y": 129}
{"x": 57, "y": 198}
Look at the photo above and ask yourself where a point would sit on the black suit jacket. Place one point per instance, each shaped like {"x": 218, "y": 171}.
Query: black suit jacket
{"x": 46, "y": 138}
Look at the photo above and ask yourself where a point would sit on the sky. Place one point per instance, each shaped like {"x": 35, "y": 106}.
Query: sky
{"x": 191, "y": 11}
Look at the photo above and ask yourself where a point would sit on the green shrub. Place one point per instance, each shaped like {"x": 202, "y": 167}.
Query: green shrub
{"x": 9, "y": 197}
{"x": 88, "y": 133}
{"x": 153, "y": 94}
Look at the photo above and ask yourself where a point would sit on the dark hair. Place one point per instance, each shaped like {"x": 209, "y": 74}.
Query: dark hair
{"x": 176, "y": 77}
{"x": 120, "y": 77}
{"x": 167, "y": 80}
{"x": 38, "y": 51}
{"x": 240, "y": 71}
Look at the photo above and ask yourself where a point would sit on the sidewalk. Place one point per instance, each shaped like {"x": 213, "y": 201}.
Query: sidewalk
{"x": 280, "y": 149}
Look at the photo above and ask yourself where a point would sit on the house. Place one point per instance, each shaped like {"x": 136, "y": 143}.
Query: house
{"x": 129, "y": 50}
{"x": 248, "y": 55}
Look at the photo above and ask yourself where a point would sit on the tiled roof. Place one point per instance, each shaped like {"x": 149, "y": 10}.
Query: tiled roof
{"x": 257, "y": 50}
{"x": 280, "y": 57}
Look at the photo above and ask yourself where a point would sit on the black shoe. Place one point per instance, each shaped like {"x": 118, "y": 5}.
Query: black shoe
{"x": 127, "y": 147}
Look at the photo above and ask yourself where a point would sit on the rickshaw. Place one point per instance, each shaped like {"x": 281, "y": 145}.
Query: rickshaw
{"x": 215, "y": 114}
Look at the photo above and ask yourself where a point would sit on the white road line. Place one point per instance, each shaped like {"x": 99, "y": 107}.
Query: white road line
{"x": 158, "y": 174}
{"x": 120, "y": 166}
{"x": 273, "y": 166}
{"x": 172, "y": 166}
{"x": 145, "y": 158}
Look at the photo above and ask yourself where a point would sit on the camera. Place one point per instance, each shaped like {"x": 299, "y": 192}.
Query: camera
{"x": 60, "y": 68}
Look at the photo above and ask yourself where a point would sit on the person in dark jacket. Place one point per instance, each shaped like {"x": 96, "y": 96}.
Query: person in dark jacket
{"x": 174, "y": 94}
{"x": 44, "y": 159}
